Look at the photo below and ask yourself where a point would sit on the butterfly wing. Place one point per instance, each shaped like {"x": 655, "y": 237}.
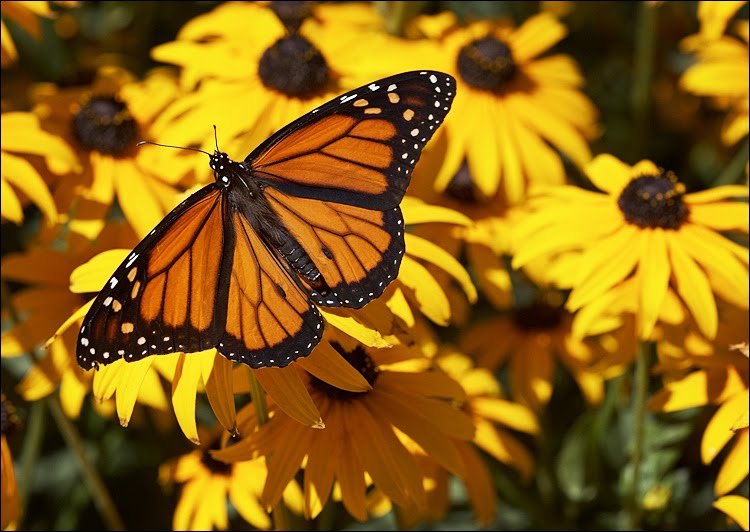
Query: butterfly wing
{"x": 270, "y": 321}
{"x": 201, "y": 279}
{"x": 337, "y": 175}
{"x": 359, "y": 149}
{"x": 357, "y": 250}
{"x": 164, "y": 296}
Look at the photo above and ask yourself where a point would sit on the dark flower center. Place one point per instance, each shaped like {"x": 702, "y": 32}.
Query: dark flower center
{"x": 215, "y": 466}
{"x": 361, "y": 362}
{"x": 105, "y": 124}
{"x": 654, "y": 201}
{"x": 291, "y": 13}
{"x": 461, "y": 186}
{"x": 538, "y": 316}
{"x": 293, "y": 66}
{"x": 486, "y": 63}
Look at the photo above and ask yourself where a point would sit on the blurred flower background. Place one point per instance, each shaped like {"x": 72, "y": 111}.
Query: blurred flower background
{"x": 565, "y": 346}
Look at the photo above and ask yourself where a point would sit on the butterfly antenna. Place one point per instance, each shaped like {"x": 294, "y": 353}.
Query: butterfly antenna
{"x": 141, "y": 143}
{"x": 216, "y": 138}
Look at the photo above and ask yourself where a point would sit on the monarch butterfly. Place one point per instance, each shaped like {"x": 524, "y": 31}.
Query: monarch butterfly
{"x": 310, "y": 217}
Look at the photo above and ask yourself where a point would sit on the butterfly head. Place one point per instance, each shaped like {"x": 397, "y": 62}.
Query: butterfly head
{"x": 222, "y": 165}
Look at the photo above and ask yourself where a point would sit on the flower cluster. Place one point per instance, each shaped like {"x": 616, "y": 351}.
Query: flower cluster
{"x": 574, "y": 284}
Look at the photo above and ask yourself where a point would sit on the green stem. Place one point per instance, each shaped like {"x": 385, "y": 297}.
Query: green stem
{"x": 279, "y": 514}
{"x": 96, "y": 486}
{"x": 643, "y": 68}
{"x": 640, "y": 393}
{"x": 734, "y": 171}
{"x": 32, "y": 445}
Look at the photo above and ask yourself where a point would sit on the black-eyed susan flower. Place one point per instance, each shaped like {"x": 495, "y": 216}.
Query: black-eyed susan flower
{"x": 208, "y": 484}
{"x": 103, "y": 122}
{"x": 9, "y": 497}
{"x": 18, "y": 173}
{"x": 532, "y": 339}
{"x": 513, "y": 109}
{"x": 645, "y": 229}
{"x": 360, "y": 443}
{"x": 721, "y": 70}
{"x": 250, "y": 88}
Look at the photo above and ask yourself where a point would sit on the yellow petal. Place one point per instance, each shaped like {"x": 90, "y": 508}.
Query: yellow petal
{"x": 417, "y": 212}
{"x": 10, "y": 207}
{"x": 735, "y": 506}
{"x": 28, "y": 137}
{"x": 426, "y": 250}
{"x": 721, "y": 78}
{"x": 428, "y": 384}
{"x": 694, "y": 288}
{"x": 430, "y": 296}
{"x": 136, "y": 198}
{"x": 287, "y": 390}
{"x": 400, "y": 307}
{"x": 248, "y": 506}
{"x": 220, "y": 393}
{"x": 735, "y": 467}
{"x": 184, "y": 389}
{"x": 75, "y": 317}
{"x": 721, "y": 216}
{"x": 479, "y": 485}
{"x": 418, "y": 427}
{"x": 383, "y": 456}
{"x": 93, "y": 274}
{"x": 328, "y": 365}
{"x": 482, "y": 154}
{"x": 9, "y": 55}
{"x": 603, "y": 265}
{"x": 714, "y": 16}
{"x": 697, "y": 389}
{"x": 537, "y": 34}
{"x": 24, "y": 176}
{"x": 505, "y": 448}
{"x": 512, "y": 415}
{"x": 609, "y": 174}
{"x": 719, "y": 429}
{"x": 513, "y": 172}
{"x": 653, "y": 272}
{"x": 716, "y": 194}
{"x": 354, "y": 328}
{"x": 130, "y": 378}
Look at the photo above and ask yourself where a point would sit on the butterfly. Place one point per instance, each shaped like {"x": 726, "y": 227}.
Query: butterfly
{"x": 309, "y": 218}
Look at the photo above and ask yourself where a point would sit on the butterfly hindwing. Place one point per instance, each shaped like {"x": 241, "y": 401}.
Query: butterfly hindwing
{"x": 357, "y": 251}
{"x": 361, "y": 148}
{"x": 270, "y": 321}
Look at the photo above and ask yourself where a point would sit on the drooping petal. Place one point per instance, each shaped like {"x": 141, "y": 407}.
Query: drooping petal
{"x": 719, "y": 430}
{"x": 735, "y": 506}
{"x": 328, "y": 365}
{"x": 287, "y": 390}
{"x": 735, "y": 467}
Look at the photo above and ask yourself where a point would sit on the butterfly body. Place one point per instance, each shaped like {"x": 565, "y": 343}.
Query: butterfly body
{"x": 310, "y": 217}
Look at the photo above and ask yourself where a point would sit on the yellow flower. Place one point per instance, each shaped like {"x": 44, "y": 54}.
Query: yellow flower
{"x": 721, "y": 71}
{"x": 531, "y": 339}
{"x": 103, "y": 122}
{"x": 510, "y": 104}
{"x": 11, "y": 503}
{"x": 251, "y": 87}
{"x": 360, "y": 440}
{"x": 28, "y": 139}
{"x": 723, "y": 381}
{"x": 644, "y": 231}
{"x": 208, "y": 483}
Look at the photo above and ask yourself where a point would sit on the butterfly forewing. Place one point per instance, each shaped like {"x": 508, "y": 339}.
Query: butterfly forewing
{"x": 361, "y": 148}
{"x": 169, "y": 294}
